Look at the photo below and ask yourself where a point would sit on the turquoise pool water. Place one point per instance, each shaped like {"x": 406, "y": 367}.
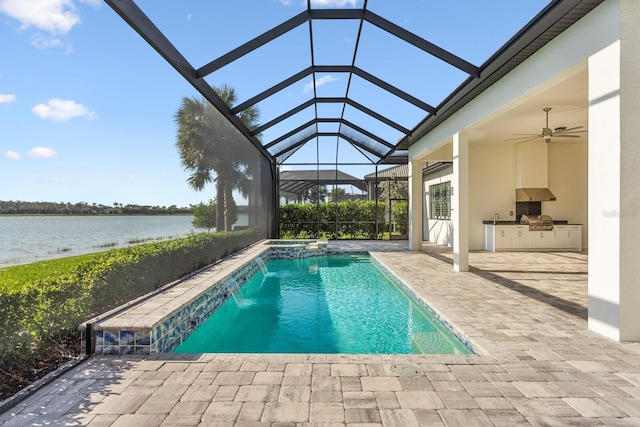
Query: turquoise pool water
{"x": 332, "y": 304}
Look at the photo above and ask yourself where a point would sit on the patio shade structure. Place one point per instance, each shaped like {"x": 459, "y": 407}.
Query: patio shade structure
{"x": 297, "y": 183}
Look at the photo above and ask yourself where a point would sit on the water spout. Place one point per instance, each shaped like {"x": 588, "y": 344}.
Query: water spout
{"x": 262, "y": 265}
{"x": 233, "y": 287}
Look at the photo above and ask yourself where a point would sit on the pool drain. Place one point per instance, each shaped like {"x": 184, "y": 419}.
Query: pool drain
{"x": 405, "y": 369}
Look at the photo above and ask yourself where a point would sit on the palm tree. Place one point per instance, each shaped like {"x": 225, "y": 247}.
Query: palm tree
{"x": 337, "y": 194}
{"x": 204, "y": 151}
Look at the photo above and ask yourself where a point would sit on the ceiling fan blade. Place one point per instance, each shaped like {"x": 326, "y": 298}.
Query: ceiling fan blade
{"x": 573, "y": 131}
{"x": 526, "y": 138}
{"x": 562, "y": 135}
{"x": 570, "y": 129}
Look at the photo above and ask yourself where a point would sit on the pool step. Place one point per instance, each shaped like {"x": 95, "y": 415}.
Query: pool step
{"x": 424, "y": 342}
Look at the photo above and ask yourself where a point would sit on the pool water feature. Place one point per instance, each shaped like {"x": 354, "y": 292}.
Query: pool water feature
{"x": 331, "y": 304}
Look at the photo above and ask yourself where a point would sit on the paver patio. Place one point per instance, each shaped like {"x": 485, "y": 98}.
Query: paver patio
{"x": 540, "y": 365}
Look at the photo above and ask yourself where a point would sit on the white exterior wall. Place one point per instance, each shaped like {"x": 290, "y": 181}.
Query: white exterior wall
{"x": 614, "y": 162}
{"x": 630, "y": 167}
{"x": 491, "y": 187}
{"x": 568, "y": 180}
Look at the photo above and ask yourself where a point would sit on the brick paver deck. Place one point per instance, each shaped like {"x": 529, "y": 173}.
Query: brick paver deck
{"x": 540, "y": 364}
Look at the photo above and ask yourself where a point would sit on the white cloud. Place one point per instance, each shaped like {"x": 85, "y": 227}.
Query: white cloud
{"x": 333, "y": 3}
{"x": 55, "y": 16}
{"x": 61, "y": 110}
{"x": 7, "y": 98}
{"x": 188, "y": 17}
{"x": 319, "y": 82}
{"x": 132, "y": 177}
{"x": 285, "y": 2}
{"x": 42, "y": 42}
{"x": 13, "y": 155}
{"x": 41, "y": 152}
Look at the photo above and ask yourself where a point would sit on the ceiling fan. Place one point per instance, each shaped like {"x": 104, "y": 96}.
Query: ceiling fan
{"x": 548, "y": 133}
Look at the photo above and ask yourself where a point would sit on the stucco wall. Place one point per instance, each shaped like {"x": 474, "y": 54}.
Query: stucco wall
{"x": 491, "y": 187}
{"x": 568, "y": 179}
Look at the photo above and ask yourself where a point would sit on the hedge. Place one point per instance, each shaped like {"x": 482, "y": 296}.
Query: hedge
{"x": 356, "y": 219}
{"x": 46, "y": 308}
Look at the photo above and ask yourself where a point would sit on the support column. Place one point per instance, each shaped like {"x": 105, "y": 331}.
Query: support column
{"x": 416, "y": 220}
{"x": 614, "y": 194}
{"x": 460, "y": 202}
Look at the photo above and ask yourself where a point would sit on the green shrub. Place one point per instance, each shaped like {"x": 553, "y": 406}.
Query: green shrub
{"x": 400, "y": 211}
{"x": 350, "y": 219}
{"x": 42, "y": 301}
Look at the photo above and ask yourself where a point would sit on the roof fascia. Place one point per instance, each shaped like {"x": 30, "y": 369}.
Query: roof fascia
{"x": 543, "y": 28}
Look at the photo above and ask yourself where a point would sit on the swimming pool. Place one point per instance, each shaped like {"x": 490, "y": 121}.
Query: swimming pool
{"x": 329, "y": 304}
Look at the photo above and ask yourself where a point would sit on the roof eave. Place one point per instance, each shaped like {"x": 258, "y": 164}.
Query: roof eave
{"x": 544, "y": 27}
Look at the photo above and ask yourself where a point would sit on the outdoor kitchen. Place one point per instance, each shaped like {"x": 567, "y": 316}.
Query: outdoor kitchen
{"x": 533, "y": 227}
{"x": 532, "y": 230}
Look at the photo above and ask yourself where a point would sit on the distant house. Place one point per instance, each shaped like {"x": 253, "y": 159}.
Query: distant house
{"x": 373, "y": 180}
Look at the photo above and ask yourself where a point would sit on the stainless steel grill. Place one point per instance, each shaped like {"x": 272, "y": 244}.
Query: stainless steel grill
{"x": 538, "y": 222}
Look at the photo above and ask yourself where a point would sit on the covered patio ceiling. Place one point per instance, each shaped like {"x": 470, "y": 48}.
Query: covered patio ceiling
{"x": 376, "y": 113}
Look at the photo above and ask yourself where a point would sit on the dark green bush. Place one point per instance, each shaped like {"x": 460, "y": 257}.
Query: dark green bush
{"x": 350, "y": 219}
{"x": 42, "y": 310}
{"x": 400, "y": 211}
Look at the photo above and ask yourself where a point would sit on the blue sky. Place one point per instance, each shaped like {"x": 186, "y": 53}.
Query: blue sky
{"x": 86, "y": 105}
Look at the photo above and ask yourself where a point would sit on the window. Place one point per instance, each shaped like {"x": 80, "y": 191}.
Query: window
{"x": 440, "y": 200}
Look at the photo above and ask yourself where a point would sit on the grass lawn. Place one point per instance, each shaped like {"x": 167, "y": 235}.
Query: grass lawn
{"x": 17, "y": 276}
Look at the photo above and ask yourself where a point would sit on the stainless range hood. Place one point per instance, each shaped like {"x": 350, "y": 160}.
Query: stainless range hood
{"x": 534, "y": 195}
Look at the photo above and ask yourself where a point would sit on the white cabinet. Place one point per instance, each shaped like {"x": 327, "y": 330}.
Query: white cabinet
{"x": 496, "y": 237}
{"x": 502, "y": 237}
{"x": 541, "y": 239}
{"x": 518, "y": 237}
{"x": 568, "y": 237}
{"x": 574, "y": 239}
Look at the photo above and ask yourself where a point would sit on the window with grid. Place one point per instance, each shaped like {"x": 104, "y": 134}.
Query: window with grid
{"x": 440, "y": 197}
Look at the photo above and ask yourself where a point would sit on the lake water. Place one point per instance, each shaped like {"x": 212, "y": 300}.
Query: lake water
{"x": 25, "y": 239}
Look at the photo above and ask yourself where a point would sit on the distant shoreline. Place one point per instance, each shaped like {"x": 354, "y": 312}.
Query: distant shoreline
{"x": 98, "y": 214}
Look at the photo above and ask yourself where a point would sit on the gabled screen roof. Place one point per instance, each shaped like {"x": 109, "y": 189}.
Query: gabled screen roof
{"x": 368, "y": 73}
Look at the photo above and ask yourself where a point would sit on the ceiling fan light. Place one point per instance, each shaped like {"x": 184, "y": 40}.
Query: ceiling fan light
{"x": 547, "y": 139}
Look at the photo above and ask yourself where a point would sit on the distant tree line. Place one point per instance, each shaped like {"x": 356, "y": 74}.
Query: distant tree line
{"x": 14, "y": 207}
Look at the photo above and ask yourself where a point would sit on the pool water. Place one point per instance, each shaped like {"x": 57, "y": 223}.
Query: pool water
{"x": 332, "y": 304}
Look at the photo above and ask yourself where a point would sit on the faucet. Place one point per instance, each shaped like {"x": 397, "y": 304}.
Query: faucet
{"x": 495, "y": 217}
